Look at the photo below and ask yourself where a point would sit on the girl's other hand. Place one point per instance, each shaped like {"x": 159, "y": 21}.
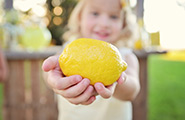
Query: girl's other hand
{"x": 107, "y": 91}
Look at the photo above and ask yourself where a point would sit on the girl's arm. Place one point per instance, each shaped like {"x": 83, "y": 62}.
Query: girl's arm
{"x": 129, "y": 89}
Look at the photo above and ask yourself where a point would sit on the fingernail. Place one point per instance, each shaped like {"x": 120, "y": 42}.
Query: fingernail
{"x": 124, "y": 78}
{"x": 86, "y": 81}
{"x": 98, "y": 87}
{"x": 78, "y": 78}
{"x": 90, "y": 88}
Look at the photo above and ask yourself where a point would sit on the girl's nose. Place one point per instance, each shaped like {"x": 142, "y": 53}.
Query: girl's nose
{"x": 104, "y": 21}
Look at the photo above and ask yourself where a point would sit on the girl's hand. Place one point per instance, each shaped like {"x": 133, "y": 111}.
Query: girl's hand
{"x": 73, "y": 88}
{"x": 107, "y": 91}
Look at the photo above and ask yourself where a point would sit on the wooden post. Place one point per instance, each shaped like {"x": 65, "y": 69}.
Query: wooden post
{"x": 140, "y": 103}
{"x": 140, "y": 106}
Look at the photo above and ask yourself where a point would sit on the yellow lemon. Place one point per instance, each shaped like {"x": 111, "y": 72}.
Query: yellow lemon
{"x": 96, "y": 60}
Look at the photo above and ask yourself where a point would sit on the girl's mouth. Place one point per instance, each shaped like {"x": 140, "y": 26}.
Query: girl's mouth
{"x": 101, "y": 35}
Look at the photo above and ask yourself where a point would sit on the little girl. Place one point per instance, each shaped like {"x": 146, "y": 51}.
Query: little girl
{"x": 110, "y": 21}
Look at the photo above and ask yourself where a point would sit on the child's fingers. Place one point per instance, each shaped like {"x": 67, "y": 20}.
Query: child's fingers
{"x": 90, "y": 100}
{"x": 77, "y": 89}
{"x": 122, "y": 78}
{"x": 84, "y": 98}
{"x": 58, "y": 82}
{"x": 50, "y": 63}
{"x": 102, "y": 90}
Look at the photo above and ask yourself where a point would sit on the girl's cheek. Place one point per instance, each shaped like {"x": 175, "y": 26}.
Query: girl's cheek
{"x": 118, "y": 27}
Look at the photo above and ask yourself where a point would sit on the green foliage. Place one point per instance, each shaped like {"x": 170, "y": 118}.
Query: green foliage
{"x": 58, "y": 30}
{"x": 166, "y": 89}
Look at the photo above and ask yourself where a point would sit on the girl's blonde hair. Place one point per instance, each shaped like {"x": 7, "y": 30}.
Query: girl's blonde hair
{"x": 127, "y": 37}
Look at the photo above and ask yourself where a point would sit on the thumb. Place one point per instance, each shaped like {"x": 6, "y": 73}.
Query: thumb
{"x": 122, "y": 78}
{"x": 50, "y": 63}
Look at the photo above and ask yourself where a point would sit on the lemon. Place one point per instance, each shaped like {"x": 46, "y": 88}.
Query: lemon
{"x": 96, "y": 60}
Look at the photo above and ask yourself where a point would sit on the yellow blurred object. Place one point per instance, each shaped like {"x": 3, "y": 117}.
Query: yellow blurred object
{"x": 138, "y": 45}
{"x": 123, "y": 3}
{"x": 35, "y": 38}
{"x": 1, "y": 38}
{"x": 96, "y": 60}
{"x": 143, "y": 40}
{"x": 176, "y": 55}
{"x": 140, "y": 23}
{"x": 155, "y": 39}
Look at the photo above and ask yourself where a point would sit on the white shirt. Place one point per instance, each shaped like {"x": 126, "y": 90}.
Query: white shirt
{"x": 101, "y": 109}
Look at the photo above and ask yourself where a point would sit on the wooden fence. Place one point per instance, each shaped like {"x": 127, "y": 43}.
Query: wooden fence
{"x": 26, "y": 97}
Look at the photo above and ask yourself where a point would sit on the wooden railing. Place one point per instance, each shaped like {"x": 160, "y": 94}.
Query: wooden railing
{"x": 26, "y": 97}
{"x": 140, "y": 103}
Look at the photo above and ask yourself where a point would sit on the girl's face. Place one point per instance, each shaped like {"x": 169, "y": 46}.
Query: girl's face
{"x": 101, "y": 19}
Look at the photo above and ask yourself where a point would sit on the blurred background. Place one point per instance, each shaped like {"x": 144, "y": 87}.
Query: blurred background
{"x": 21, "y": 18}
{"x": 35, "y": 25}
{"x": 161, "y": 24}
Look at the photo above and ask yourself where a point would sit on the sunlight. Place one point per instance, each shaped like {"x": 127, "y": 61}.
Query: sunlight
{"x": 57, "y": 10}
{"x": 133, "y": 3}
{"x": 39, "y": 10}
{"x": 37, "y": 6}
{"x": 172, "y": 31}
{"x": 167, "y": 17}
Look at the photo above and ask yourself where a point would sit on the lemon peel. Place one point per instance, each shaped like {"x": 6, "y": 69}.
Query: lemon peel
{"x": 96, "y": 60}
